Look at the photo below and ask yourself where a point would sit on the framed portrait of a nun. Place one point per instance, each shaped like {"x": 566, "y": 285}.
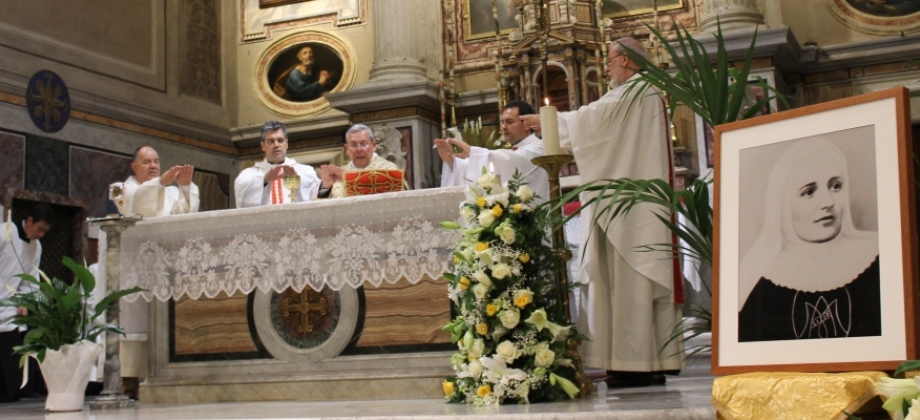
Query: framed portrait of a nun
{"x": 814, "y": 239}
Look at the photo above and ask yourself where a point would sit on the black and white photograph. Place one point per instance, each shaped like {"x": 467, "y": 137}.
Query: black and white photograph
{"x": 814, "y": 244}
{"x": 809, "y": 239}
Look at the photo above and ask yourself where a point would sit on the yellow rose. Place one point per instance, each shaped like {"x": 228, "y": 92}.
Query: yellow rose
{"x": 482, "y": 246}
{"x": 456, "y": 260}
{"x": 497, "y": 211}
{"x": 516, "y": 209}
{"x": 524, "y": 258}
{"x": 481, "y": 202}
{"x": 483, "y": 391}
{"x": 523, "y": 298}
{"x": 448, "y": 388}
{"x": 464, "y": 283}
{"x": 482, "y": 328}
{"x": 491, "y": 309}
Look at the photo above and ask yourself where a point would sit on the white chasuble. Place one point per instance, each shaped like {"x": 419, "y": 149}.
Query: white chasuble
{"x": 251, "y": 190}
{"x": 629, "y": 308}
{"x": 504, "y": 163}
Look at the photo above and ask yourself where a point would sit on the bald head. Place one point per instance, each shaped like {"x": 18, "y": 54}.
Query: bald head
{"x": 146, "y": 164}
{"x": 619, "y": 66}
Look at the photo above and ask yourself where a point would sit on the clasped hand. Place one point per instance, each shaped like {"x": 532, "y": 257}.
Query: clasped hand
{"x": 279, "y": 172}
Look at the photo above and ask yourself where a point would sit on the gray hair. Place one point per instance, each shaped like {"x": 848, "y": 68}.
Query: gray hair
{"x": 271, "y": 126}
{"x": 629, "y": 43}
{"x": 357, "y": 128}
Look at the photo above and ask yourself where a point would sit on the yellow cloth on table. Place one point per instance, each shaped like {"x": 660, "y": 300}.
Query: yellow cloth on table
{"x": 779, "y": 395}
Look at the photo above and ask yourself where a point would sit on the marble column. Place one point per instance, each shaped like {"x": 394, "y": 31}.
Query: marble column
{"x": 407, "y": 45}
{"x": 113, "y": 395}
{"x": 731, "y": 14}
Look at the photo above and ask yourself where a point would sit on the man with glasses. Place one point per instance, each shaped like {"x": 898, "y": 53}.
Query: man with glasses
{"x": 630, "y": 296}
{"x": 361, "y": 148}
{"x": 465, "y": 166}
{"x": 263, "y": 184}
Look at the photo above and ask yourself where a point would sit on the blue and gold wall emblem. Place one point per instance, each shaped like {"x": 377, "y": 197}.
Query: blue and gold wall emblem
{"x": 48, "y": 101}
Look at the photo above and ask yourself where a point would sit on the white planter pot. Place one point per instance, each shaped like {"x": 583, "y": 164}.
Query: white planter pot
{"x": 66, "y": 372}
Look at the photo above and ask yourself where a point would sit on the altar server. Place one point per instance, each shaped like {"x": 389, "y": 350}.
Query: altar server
{"x": 20, "y": 252}
{"x": 150, "y": 194}
{"x": 466, "y": 166}
{"x": 629, "y": 300}
{"x": 263, "y": 184}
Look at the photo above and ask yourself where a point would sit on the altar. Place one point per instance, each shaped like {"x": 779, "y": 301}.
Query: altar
{"x": 329, "y": 300}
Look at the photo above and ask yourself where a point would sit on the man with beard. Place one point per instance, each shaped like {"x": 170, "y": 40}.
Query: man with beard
{"x": 299, "y": 83}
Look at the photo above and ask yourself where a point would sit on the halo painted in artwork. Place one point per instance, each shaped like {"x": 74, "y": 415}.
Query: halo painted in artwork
{"x": 879, "y": 17}
{"x": 293, "y": 75}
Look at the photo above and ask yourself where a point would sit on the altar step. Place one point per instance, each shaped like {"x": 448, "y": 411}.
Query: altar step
{"x": 682, "y": 398}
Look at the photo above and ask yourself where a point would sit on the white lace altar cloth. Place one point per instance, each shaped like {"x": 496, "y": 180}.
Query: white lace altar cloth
{"x": 338, "y": 243}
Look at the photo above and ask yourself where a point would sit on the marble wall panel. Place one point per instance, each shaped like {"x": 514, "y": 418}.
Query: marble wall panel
{"x": 13, "y": 155}
{"x": 212, "y": 326}
{"x": 404, "y": 314}
{"x": 91, "y": 172}
{"x": 46, "y": 165}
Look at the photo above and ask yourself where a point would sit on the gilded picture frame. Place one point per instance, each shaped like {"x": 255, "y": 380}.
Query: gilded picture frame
{"x": 625, "y": 8}
{"x": 877, "y": 17}
{"x": 479, "y": 21}
{"x": 815, "y": 265}
{"x": 333, "y": 65}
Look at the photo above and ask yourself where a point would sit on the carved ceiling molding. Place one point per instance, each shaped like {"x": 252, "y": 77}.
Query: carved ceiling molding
{"x": 258, "y": 24}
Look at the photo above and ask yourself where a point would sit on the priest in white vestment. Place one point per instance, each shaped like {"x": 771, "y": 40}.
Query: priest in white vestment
{"x": 629, "y": 307}
{"x": 20, "y": 252}
{"x": 466, "y": 166}
{"x": 150, "y": 194}
{"x": 361, "y": 148}
{"x": 263, "y": 184}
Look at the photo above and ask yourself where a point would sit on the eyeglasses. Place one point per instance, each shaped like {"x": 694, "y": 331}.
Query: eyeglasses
{"x": 362, "y": 145}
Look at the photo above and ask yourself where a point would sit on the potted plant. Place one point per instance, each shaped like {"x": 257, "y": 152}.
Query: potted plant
{"x": 62, "y": 332}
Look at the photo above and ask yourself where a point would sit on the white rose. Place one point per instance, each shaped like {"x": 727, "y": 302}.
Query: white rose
{"x": 482, "y": 278}
{"x": 524, "y": 193}
{"x": 467, "y": 214}
{"x": 475, "y": 369}
{"x": 544, "y": 358}
{"x": 510, "y": 317}
{"x": 508, "y": 351}
{"x": 507, "y": 236}
{"x": 480, "y": 290}
{"x": 476, "y": 349}
{"x": 501, "y": 271}
{"x": 486, "y": 218}
{"x": 488, "y": 179}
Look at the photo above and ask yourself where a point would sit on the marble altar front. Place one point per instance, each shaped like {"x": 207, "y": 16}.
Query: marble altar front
{"x": 330, "y": 300}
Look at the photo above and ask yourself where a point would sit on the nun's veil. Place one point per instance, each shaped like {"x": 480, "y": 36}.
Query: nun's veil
{"x": 813, "y": 266}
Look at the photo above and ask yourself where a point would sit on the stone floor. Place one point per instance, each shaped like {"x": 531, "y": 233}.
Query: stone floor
{"x": 683, "y": 397}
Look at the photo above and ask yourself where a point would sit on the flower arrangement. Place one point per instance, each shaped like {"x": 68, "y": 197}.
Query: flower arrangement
{"x": 509, "y": 330}
{"x": 902, "y": 396}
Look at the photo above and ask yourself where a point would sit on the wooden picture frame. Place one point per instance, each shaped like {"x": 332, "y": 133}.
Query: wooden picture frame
{"x": 796, "y": 286}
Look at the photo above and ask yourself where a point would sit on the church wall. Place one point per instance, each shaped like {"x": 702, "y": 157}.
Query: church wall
{"x": 348, "y": 21}
{"x": 811, "y": 21}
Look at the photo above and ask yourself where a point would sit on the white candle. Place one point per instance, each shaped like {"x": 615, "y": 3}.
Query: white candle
{"x": 550, "y": 129}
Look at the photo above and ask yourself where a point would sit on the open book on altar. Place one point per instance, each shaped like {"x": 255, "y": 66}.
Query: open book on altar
{"x": 373, "y": 181}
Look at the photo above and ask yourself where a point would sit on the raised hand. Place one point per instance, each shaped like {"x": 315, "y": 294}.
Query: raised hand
{"x": 169, "y": 176}
{"x": 330, "y": 175}
{"x": 462, "y": 145}
{"x": 532, "y": 121}
{"x": 184, "y": 177}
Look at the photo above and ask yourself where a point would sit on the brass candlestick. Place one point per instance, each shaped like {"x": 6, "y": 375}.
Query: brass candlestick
{"x": 292, "y": 183}
{"x": 552, "y": 164}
